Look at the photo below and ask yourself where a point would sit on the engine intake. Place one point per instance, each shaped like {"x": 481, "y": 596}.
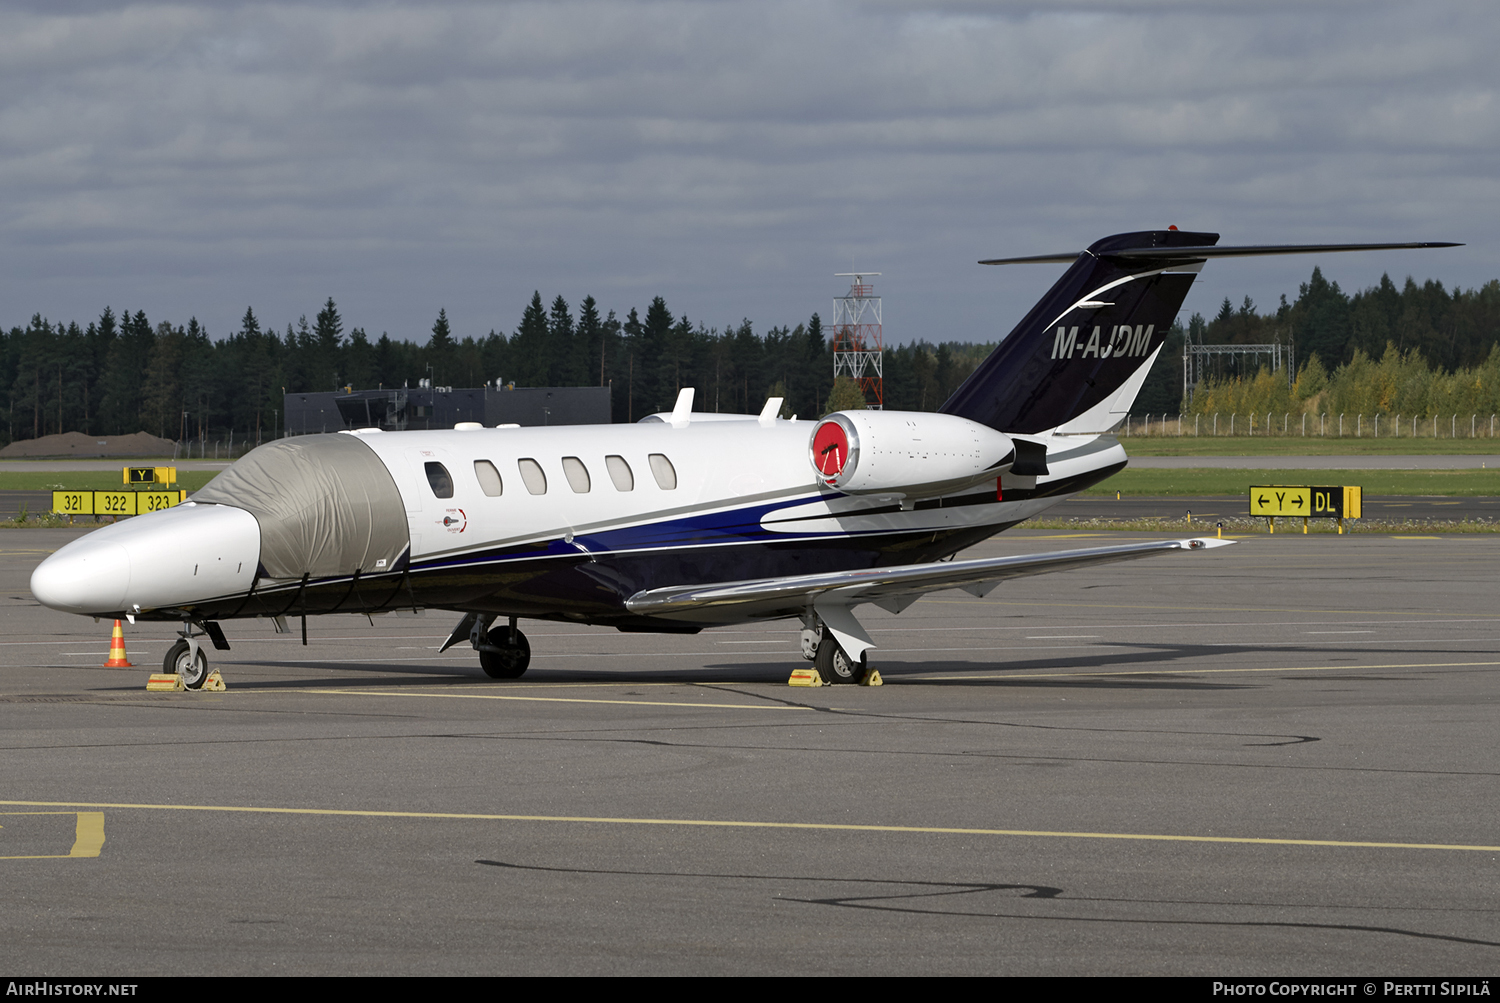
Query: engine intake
{"x": 912, "y": 453}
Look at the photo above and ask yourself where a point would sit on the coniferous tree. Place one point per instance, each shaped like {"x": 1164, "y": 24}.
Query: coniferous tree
{"x": 122, "y": 382}
{"x": 262, "y": 377}
{"x": 495, "y": 357}
{"x": 208, "y": 388}
{"x": 359, "y": 361}
{"x": 162, "y": 403}
{"x": 631, "y": 345}
{"x": 591, "y": 344}
{"x": 441, "y": 351}
{"x": 324, "y": 349}
{"x": 564, "y": 367}
{"x": 653, "y": 365}
{"x": 528, "y": 349}
{"x": 1320, "y": 318}
{"x": 388, "y": 366}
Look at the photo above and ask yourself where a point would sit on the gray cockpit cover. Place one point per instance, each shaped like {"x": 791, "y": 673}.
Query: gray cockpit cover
{"x": 326, "y": 506}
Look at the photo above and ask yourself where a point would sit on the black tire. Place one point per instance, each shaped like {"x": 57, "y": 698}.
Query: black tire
{"x": 834, "y": 664}
{"x": 179, "y": 660}
{"x": 511, "y": 660}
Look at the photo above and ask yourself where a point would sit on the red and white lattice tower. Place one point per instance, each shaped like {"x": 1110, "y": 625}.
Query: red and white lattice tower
{"x": 858, "y": 350}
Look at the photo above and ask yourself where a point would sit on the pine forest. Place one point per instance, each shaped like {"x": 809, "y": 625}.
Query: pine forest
{"x": 1414, "y": 350}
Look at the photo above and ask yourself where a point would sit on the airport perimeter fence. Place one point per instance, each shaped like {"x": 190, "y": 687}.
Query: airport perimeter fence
{"x": 1324, "y": 425}
{"x": 225, "y": 444}
{"x": 222, "y": 444}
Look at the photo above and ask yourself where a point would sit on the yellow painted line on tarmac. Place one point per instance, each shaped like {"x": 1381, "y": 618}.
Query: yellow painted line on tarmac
{"x": 88, "y": 838}
{"x": 506, "y": 696}
{"x": 1067, "y": 536}
{"x": 1413, "y": 538}
{"x": 741, "y": 824}
{"x": 88, "y": 835}
{"x": 1189, "y": 672}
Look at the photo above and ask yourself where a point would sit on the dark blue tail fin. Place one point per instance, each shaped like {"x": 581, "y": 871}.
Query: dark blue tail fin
{"x": 1098, "y": 326}
{"x": 1095, "y": 327}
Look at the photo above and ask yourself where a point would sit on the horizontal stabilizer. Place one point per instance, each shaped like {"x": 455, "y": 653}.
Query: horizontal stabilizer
{"x": 1211, "y": 251}
{"x": 770, "y": 597}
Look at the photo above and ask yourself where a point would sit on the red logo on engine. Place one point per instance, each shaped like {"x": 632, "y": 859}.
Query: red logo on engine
{"x": 830, "y": 448}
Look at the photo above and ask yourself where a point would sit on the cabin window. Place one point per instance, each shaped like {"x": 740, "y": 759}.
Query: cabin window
{"x": 489, "y": 478}
{"x": 532, "y": 476}
{"x": 439, "y": 478}
{"x": 662, "y": 470}
{"x": 619, "y": 472}
{"x": 577, "y": 474}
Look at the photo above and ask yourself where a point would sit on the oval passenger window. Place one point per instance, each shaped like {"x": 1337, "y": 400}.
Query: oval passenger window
{"x": 577, "y": 474}
{"x": 619, "y": 472}
{"x": 532, "y": 476}
{"x": 662, "y": 470}
{"x": 489, "y": 478}
{"x": 441, "y": 481}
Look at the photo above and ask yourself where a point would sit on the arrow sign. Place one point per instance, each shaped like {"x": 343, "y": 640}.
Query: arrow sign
{"x": 1268, "y": 500}
{"x": 1279, "y": 500}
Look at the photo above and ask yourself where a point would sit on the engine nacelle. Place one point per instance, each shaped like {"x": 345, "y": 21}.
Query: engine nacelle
{"x": 911, "y": 453}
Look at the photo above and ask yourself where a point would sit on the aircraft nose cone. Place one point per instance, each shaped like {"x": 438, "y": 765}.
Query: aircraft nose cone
{"x": 85, "y": 577}
{"x": 177, "y": 557}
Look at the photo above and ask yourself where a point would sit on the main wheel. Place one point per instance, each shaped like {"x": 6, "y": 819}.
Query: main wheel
{"x": 834, "y": 664}
{"x": 180, "y": 660}
{"x": 511, "y": 660}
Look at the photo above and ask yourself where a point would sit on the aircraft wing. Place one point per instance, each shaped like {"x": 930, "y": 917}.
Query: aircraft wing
{"x": 831, "y": 594}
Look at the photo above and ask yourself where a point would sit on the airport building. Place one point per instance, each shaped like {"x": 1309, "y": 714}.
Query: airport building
{"x": 443, "y": 407}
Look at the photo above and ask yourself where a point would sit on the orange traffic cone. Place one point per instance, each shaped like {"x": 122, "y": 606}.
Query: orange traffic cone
{"x": 117, "y": 659}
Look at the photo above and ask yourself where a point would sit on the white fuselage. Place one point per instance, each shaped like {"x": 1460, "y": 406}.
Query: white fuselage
{"x": 650, "y": 503}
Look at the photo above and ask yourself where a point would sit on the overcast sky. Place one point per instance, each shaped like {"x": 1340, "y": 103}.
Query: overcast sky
{"x": 193, "y": 159}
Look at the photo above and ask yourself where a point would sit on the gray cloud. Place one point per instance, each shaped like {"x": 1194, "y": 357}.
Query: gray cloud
{"x": 190, "y": 159}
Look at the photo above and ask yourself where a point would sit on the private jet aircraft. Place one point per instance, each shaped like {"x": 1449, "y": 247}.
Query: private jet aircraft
{"x": 682, "y": 521}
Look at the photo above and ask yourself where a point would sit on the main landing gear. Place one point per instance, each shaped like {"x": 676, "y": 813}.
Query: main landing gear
{"x": 833, "y": 663}
{"x": 503, "y": 652}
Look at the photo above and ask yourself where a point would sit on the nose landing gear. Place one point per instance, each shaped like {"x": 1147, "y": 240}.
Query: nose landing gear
{"x": 186, "y": 659}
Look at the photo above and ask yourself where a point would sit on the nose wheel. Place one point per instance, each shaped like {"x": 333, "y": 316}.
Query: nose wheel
{"x": 188, "y": 661}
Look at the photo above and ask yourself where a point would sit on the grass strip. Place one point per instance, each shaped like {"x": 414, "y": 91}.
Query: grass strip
{"x": 1214, "y": 481}
{"x": 1240, "y": 525}
{"x": 1296, "y": 445}
{"x": 88, "y": 480}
